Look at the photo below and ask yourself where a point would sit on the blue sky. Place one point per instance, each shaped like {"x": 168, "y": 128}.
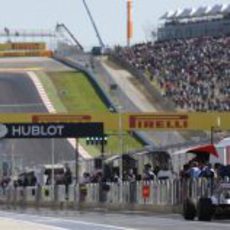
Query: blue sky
{"x": 110, "y": 16}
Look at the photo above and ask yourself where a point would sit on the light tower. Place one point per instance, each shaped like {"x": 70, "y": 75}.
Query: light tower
{"x": 129, "y": 21}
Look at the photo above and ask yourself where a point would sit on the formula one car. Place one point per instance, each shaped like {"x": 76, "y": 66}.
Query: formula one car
{"x": 205, "y": 208}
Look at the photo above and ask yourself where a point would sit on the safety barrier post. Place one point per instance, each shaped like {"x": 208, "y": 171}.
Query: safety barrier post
{"x": 60, "y": 196}
{"x": 132, "y": 192}
{"x": 30, "y": 195}
{"x": 71, "y": 195}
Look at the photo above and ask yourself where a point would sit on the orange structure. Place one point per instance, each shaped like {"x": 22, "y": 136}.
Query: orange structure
{"x": 129, "y": 21}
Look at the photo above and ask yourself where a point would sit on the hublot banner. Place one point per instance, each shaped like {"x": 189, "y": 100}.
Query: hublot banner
{"x": 50, "y": 130}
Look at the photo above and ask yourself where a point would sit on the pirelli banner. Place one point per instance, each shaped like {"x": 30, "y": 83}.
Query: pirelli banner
{"x": 178, "y": 121}
{"x": 132, "y": 121}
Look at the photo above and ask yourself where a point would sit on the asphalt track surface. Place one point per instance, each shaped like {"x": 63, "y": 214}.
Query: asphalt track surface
{"x": 19, "y": 95}
{"x": 74, "y": 220}
{"x": 36, "y": 63}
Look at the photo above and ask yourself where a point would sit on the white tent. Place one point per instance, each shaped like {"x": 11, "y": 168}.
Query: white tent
{"x": 216, "y": 9}
{"x": 223, "y": 149}
{"x": 226, "y": 9}
{"x": 185, "y": 13}
{"x": 201, "y": 11}
{"x": 224, "y": 143}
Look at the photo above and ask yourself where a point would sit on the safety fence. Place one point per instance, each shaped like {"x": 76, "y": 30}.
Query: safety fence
{"x": 149, "y": 193}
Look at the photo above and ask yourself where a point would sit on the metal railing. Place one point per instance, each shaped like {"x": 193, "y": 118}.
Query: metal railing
{"x": 150, "y": 193}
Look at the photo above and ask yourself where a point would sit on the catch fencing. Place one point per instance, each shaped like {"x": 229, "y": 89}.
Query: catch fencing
{"x": 148, "y": 193}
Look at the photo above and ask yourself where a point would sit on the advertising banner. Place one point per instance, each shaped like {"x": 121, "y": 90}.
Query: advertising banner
{"x": 133, "y": 121}
{"x": 28, "y": 46}
{"x": 50, "y": 130}
{"x": 29, "y": 53}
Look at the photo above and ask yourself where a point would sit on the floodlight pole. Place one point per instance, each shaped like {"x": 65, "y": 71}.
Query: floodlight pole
{"x": 212, "y": 135}
{"x": 215, "y": 128}
{"x": 12, "y": 160}
{"x": 103, "y": 146}
{"x": 103, "y": 154}
{"x": 77, "y": 176}
{"x": 122, "y": 151}
{"x": 77, "y": 179}
{"x": 52, "y": 171}
{"x": 52, "y": 162}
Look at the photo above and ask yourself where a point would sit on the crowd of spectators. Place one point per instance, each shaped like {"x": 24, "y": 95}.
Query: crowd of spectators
{"x": 26, "y": 179}
{"x": 193, "y": 73}
{"x": 193, "y": 169}
{"x": 129, "y": 175}
{"x": 196, "y": 169}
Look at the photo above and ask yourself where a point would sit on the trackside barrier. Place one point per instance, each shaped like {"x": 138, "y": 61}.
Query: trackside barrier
{"x": 3, "y": 194}
{"x": 61, "y": 193}
{"x": 90, "y": 193}
{"x": 113, "y": 195}
{"x": 20, "y": 194}
{"x": 71, "y": 196}
{"x": 150, "y": 193}
{"x": 31, "y": 194}
{"x": 11, "y": 194}
{"x": 47, "y": 194}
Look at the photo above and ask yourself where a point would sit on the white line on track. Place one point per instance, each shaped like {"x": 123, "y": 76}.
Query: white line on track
{"x": 46, "y": 218}
{"x": 31, "y": 224}
{"x": 42, "y": 92}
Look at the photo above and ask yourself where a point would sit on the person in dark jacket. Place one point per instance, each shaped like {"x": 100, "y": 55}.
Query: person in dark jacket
{"x": 67, "y": 179}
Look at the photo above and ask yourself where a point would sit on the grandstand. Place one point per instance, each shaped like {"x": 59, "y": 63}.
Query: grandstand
{"x": 189, "y": 22}
{"x": 192, "y": 72}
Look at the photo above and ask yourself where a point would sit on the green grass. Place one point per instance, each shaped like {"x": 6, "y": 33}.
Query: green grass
{"x": 72, "y": 92}
{"x": 51, "y": 92}
{"x": 76, "y": 93}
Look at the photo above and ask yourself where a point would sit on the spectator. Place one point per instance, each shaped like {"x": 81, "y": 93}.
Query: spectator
{"x": 184, "y": 174}
{"x": 68, "y": 176}
{"x": 207, "y": 171}
{"x": 193, "y": 73}
{"x": 131, "y": 177}
{"x": 194, "y": 171}
{"x": 148, "y": 173}
{"x": 86, "y": 178}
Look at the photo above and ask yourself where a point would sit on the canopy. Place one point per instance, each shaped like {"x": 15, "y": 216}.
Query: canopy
{"x": 204, "y": 149}
{"x": 224, "y": 143}
{"x": 218, "y": 9}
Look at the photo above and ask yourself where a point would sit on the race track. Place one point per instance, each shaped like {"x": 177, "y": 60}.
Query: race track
{"x": 74, "y": 220}
{"x": 18, "y": 95}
